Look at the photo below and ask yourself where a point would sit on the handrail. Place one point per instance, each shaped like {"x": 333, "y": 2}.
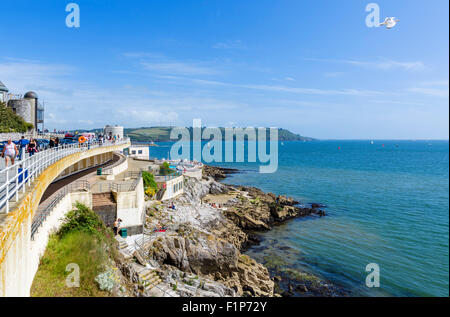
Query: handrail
{"x": 42, "y": 216}
{"x": 20, "y": 175}
{"x": 164, "y": 178}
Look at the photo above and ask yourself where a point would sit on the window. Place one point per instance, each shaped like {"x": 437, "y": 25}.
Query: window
{"x": 133, "y": 152}
{"x": 140, "y": 152}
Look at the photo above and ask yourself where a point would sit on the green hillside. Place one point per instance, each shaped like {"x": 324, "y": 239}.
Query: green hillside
{"x": 162, "y": 134}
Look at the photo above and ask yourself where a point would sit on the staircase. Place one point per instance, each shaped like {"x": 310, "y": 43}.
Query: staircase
{"x": 150, "y": 279}
{"x": 105, "y": 207}
{"x": 124, "y": 247}
{"x": 102, "y": 199}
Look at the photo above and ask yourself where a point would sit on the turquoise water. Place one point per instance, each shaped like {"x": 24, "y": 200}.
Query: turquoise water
{"x": 385, "y": 204}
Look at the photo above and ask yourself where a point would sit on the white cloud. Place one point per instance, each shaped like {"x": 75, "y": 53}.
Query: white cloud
{"x": 333, "y": 74}
{"x": 313, "y": 91}
{"x": 384, "y": 64}
{"x": 432, "y": 88}
{"x": 179, "y": 68}
{"x": 236, "y": 44}
{"x": 433, "y": 92}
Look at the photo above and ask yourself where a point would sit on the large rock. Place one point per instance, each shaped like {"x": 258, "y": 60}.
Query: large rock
{"x": 209, "y": 256}
{"x": 198, "y": 253}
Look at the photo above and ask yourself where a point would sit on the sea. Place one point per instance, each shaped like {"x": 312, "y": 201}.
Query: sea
{"x": 386, "y": 202}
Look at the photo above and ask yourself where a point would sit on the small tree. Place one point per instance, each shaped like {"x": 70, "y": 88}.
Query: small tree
{"x": 11, "y": 122}
{"x": 150, "y": 185}
{"x": 165, "y": 169}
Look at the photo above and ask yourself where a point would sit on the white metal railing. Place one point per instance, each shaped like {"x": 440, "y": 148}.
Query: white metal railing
{"x": 42, "y": 215}
{"x": 18, "y": 177}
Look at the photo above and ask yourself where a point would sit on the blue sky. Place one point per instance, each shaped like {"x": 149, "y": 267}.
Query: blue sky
{"x": 310, "y": 66}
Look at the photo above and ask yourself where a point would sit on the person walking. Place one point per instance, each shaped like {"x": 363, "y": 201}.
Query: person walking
{"x": 9, "y": 151}
{"x": 32, "y": 147}
{"x": 22, "y": 146}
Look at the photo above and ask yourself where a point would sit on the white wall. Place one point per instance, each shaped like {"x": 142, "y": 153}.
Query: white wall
{"x": 38, "y": 245}
{"x": 130, "y": 206}
{"x": 144, "y": 155}
{"x": 170, "y": 193}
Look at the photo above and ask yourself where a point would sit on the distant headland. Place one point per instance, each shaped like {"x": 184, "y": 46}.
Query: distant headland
{"x": 162, "y": 134}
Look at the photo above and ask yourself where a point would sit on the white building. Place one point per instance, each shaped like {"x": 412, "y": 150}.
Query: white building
{"x": 139, "y": 151}
{"x": 111, "y": 131}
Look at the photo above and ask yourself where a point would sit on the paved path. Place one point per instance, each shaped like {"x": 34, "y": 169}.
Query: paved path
{"x": 55, "y": 186}
{"x": 52, "y": 191}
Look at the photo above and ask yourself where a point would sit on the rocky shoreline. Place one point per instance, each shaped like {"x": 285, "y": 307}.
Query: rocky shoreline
{"x": 201, "y": 252}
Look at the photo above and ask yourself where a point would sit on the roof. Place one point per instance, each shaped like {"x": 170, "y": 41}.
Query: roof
{"x": 31, "y": 95}
{"x": 3, "y": 87}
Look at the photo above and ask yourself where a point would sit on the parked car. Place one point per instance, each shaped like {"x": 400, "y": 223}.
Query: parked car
{"x": 68, "y": 141}
{"x": 42, "y": 144}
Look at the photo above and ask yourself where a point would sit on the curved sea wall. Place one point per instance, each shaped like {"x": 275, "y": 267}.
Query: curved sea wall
{"x": 17, "y": 263}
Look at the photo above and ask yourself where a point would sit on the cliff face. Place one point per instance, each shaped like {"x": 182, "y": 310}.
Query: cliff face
{"x": 200, "y": 252}
{"x": 205, "y": 238}
{"x": 206, "y": 243}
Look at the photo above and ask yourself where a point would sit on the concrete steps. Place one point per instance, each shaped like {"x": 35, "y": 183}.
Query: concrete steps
{"x": 102, "y": 199}
{"x": 150, "y": 279}
{"x": 123, "y": 245}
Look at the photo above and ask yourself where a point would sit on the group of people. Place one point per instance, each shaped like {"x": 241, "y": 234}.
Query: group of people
{"x": 54, "y": 142}
{"x": 11, "y": 150}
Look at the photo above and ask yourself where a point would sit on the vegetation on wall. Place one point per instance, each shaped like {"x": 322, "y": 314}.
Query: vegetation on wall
{"x": 11, "y": 122}
{"x": 150, "y": 185}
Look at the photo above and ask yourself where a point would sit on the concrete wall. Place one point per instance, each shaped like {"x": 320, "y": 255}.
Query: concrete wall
{"x": 51, "y": 225}
{"x": 15, "y": 136}
{"x": 196, "y": 174}
{"x": 130, "y": 206}
{"x": 116, "y": 170}
{"x": 85, "y": 164}
{"x": 16, "y": 260}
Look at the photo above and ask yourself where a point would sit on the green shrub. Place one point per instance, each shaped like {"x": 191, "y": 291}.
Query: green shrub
{"x": 150, "y": 185}
{"x": 165, "y": 169}
{"x": 11, "y": 122}
{"x": 83, "y": 219}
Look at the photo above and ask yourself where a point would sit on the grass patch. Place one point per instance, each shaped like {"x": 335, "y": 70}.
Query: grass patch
{"x": 83, "y": 240}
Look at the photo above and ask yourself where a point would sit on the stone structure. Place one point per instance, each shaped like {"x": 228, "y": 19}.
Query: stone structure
{"x": 3, "y": 92}
{"x": 111, "y": 131}
{"x": 29, "y": 109}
